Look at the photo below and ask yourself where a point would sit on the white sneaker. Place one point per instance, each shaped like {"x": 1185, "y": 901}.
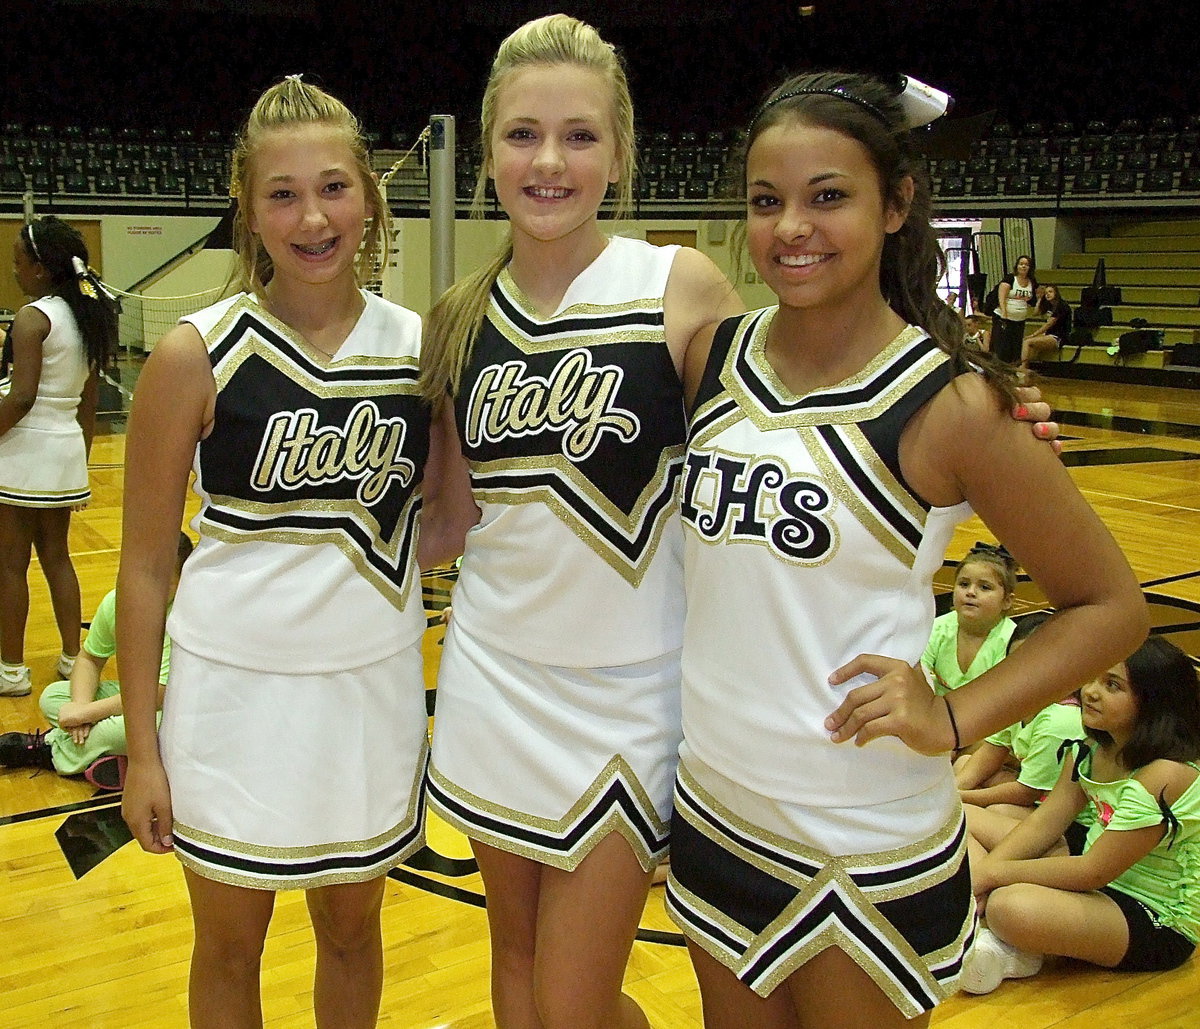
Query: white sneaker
{"x": 66, "y": 665}
{"x": 19, "y": 685}
{"x": 990, "y": 961}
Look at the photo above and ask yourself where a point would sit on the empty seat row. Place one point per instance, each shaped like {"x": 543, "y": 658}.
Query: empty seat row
{"x": 1121, "y": 181}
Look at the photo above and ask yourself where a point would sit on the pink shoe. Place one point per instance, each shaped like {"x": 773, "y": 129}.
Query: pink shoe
{"x": 108, "y": 772}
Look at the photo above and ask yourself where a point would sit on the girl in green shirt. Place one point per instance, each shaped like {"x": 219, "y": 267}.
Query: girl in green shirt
{"x": 1131, "y": 900}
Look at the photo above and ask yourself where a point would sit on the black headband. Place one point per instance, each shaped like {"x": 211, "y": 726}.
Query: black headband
{"x": 836, "y": 91}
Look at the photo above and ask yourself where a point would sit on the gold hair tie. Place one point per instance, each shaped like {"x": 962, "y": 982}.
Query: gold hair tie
{"x": 88, "y": 290}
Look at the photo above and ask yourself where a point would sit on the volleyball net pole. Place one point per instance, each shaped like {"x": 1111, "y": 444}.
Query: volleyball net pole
{"x": 441, "y": 204}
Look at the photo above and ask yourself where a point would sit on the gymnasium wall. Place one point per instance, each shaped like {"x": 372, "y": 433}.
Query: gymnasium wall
{"x": 133, "y": 247}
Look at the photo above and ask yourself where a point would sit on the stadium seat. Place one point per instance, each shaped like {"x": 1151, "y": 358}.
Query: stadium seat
{"x": 1122, "y": 181}
{"x": 1018, "y": 185}
{"x": 1040, "y": 165}
{"x": 983, "y": 185}
{"x": 952, "y": 186}
{"x": 1160, "y": 180}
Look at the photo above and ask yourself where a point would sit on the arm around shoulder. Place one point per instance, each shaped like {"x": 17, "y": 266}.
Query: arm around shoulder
{"x": 697, "y": 295}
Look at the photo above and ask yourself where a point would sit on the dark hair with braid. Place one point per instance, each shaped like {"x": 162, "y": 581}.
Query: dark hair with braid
{"x": 54, "y": 245}
{"x": 868, "y": 111}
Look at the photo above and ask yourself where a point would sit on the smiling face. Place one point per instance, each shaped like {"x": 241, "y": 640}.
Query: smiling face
{"x": 979, "y": 595}
{"x": 1023, "y": 267}
{"x": 306, "y": 203}
{"x": 1051, "y": 293}
{"x": 816, "y": 219}
{"x": 1109, "y": 704}
{"x": 553, "y": 150}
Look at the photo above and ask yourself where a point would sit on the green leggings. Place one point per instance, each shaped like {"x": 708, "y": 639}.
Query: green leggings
{"x": 107, "y": 735}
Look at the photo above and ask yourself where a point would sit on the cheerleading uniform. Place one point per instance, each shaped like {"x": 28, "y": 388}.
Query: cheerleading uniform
{"x": 43, "y": 459}
{"x": 558, "y": 693}
{"x": 804, "y": 547}
{"x": 294, "y": 726}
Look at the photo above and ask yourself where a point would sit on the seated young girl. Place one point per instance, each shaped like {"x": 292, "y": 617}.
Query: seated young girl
{"x": 1013, "y": 770}
{"x": 1017, "y": 766}
{"x": 967, "y": 641}
{"x": 1131, "y": 900}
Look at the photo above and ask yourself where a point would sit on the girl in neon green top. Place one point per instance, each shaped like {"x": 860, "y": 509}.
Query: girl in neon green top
{"x": 1131, "y": 900}
{"x": 969, "y": 640}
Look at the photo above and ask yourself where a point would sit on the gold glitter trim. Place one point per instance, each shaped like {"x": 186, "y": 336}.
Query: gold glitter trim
{"x": 248, "y": 303}
{"x": 868, "y": 458}
{"x": 43, "y": 498}
{"x": 881, "y": 530}
{"x": 357, "y": 875}
{"x": 518, "y": 298}
{"x": 834, "y": 872}
{"x": 395, "y": 594}
{"x": 885, "y": 384}
{"x": 616, "y": 770}
{"x": 570, "y": 475}
{"x": 251, "y": 343}
{"x": 411, "y": 813}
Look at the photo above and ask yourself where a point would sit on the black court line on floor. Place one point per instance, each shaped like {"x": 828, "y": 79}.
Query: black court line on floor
{"x": 105, "y": 799}
{"x": 1130, "y": 455}
{"x": 1171, "y": 578}
{"x": 1124, "y": 423}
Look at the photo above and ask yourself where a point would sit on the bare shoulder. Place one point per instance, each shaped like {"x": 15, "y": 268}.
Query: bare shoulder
{"x": 30, "y": 324}
{"x": 963, "y": 417}
{"x": 1166, "y": 779}
{"x": 181, "y": 351}
{"x": 697, "y": 294}
{"x": 177, "y": 380}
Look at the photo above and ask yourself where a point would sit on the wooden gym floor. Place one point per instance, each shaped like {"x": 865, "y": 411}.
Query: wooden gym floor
{"x": 95, "y": 934}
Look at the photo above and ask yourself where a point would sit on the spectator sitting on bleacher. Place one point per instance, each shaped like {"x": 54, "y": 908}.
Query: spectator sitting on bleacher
{"x": 1054, "y": 333}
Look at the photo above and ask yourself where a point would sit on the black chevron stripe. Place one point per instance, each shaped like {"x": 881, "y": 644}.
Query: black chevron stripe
{"x": 617, "y": 795}
{"x": 247, "y": 322}
{"x": 632, "y": 548}
{"x": 832, "y": 906}
{"x": 395, "y": 570}
{"x": 849, "y": 462}
{"x": 698, "y": 811}
{"x": 858, "y": 396}
{"x": 581, "y": 324}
